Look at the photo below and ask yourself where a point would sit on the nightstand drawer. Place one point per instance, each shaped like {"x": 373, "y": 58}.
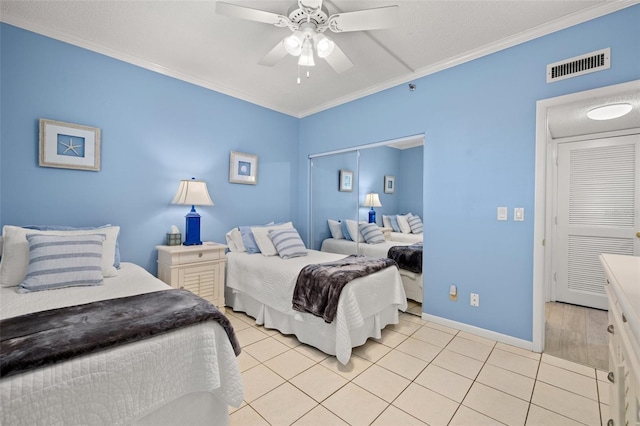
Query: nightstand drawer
{"x": 197, "y": 256}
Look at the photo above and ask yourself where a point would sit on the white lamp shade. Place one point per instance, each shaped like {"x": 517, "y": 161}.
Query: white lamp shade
{"x": 324, "y": 45}
{"x": 192, "y": 193}
{"x": 293, "y": 43}
{"x": 372, "y": 200}
{"x": 306, "y": 57}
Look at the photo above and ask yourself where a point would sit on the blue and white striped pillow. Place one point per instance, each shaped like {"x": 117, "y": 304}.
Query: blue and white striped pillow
{"x": 288, "y": 243}
{"x": 372, "y": 233}
{"x": 416, "y": 224}
{"x": 57, "y": 261}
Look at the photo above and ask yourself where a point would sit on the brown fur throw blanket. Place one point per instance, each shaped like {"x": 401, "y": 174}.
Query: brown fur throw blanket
{"x": 47, "y": 337}
{"x": 408, "y": 257}
{"x": 319, "y": 286}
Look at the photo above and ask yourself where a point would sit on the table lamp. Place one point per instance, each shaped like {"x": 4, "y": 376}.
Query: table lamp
{"x": 192, "y": 193}
{"x": 372, "y": 200}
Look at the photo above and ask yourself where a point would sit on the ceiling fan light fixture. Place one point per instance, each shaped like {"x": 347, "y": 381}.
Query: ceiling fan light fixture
{"x": 293, "y": 43}
{"x": 324, "y": 45}
{"x": 609, "y": 112}
{"x": 306, "y": 57}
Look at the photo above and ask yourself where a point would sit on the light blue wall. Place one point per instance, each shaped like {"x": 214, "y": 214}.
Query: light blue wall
{"x": 156, "y": 130}
{"x": 479, "y": 124}
{"x": 478, "y": 119}
{"x": 409, "y": 181}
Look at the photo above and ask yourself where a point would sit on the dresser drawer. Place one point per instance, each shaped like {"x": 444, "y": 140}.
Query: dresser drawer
{"x": 198, "y": 256}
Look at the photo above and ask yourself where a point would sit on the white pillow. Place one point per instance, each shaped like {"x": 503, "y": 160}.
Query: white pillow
{"x": 15, "y": 253}
{"x": 234, "y": 240}
{"x": 352, "y": 226}
{"x": 386, "y": 222}
{"x": 263, "y": 240}
{"x": 403, "y": 223}
{"x": 336, "y": 229}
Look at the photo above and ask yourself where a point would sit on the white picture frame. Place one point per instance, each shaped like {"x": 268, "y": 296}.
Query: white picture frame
{"x": 243, "y": 168}
{"x": 389, "y": 184}
{"x": 69, "y": 146}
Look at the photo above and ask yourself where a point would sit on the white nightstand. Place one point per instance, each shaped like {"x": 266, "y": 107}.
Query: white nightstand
{"x": 199, "y": 269}
{"x": 386, "y": 232}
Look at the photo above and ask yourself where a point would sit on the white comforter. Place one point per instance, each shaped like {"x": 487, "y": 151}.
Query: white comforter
{"x": 271, "y": 280}
{"x": 343, "y": 246}
{"x": 120, "y": 385}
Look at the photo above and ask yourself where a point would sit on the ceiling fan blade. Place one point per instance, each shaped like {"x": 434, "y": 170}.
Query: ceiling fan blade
{"x": 241, "y": 12}
{"x": 338, "y": 60}
{"x": 274, "y": 56}
{"x": 363, "y": 20}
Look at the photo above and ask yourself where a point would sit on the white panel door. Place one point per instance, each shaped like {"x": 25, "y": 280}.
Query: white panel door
{"x": 598, "y": 211}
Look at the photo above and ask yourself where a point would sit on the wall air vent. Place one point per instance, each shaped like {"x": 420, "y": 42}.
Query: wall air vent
{"x": 579, "y": 65}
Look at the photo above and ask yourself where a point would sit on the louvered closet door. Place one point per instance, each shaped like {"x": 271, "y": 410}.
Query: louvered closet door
{"x": 598, "y": 212}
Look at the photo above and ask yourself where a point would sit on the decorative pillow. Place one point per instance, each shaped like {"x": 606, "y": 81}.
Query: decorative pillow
{"x": 261, "y": 235}
{"x": 394, "y": 223}
{"x": 386, "y": 221}
{"x": 336, "y": 229}
{"x": 15, "y": 254}
{"x": 372, "y": 233}
{"x": 345, "y": 230}
{"x": 403, "y": 224}
{"x": 116, "y": 257}
{"x": 248, "y": 241}
{"x": 234, "y": 240}
{"x": 57, "y": 261}
{"x": 288, "y": 243}
{"x": 416, "y": 224}
{"x": 352, "y": 226}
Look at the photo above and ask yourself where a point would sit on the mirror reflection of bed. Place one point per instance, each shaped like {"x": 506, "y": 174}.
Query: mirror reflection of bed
{"x": 399, "y": 160}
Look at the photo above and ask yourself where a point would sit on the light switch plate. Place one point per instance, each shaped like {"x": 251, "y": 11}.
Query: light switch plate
{"x": 518, "y": 214}
{"x": 503, "y": 213}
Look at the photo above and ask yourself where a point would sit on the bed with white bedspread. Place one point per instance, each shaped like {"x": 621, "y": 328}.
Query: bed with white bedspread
{"x": 185, "y": 376}
{"x": 411, "y": 281}
{"x": 262, "y": 286}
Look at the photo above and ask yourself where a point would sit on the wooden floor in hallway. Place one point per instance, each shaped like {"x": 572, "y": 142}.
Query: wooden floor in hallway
{"x": 577, "y": 334}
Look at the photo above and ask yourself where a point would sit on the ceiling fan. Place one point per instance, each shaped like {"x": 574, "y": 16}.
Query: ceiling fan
{"x": 308, "y": 20}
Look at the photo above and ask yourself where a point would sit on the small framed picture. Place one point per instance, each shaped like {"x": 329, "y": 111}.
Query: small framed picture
{"x": 389, "y": 184}
{"x": 69, "y": 146}
{"x": 346, "y": 181}
{"x": 243, "y": 168}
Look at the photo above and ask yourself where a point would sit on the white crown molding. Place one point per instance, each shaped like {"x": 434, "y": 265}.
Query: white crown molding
{"x": 542, "y": 30}
{"x": 602, "y": 9}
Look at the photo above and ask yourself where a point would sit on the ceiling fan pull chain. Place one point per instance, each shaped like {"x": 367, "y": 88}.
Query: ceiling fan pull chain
{"x": 298, "y": 81}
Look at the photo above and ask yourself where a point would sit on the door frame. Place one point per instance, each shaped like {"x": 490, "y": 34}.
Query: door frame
{"x": 544, "y": 203}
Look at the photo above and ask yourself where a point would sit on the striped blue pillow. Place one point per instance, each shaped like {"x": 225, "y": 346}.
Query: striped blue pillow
{"x": 372, "y": 233}
{"x": 57, "y": 261}
{"x": 288, "y": 243}
{"x": 416, "y": 224}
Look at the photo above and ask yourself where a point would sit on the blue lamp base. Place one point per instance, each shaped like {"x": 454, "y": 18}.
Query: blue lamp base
{"x": 192, "y": 228}
{"x": 372, "y": 215}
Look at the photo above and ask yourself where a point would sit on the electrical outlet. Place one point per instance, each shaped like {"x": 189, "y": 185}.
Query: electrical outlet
{"x": 475, "y": 299}
{"x": 453, "y": 292}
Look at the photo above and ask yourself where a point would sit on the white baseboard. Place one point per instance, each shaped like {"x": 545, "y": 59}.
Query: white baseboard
{"x": 488, "y": 334}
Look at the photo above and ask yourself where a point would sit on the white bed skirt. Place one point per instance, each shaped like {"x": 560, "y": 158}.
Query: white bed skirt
{"x": 412, "y": 284}
{"x": 310, "y": 329}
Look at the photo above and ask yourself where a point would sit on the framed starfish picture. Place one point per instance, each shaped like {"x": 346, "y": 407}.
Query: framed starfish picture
{"x": 69, "y": 146}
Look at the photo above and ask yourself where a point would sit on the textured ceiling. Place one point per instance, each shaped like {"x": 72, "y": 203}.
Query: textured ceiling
{"x": 188, "y": 40}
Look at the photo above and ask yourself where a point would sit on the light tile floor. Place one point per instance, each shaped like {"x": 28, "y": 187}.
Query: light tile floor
{"x": 418, "y": 373}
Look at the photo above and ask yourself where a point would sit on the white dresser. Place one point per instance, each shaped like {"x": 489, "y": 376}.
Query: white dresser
{"x": 623, "y": 291}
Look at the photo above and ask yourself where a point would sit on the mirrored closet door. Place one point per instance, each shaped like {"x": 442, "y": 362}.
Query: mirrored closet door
{"x": 340, "y": 183}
